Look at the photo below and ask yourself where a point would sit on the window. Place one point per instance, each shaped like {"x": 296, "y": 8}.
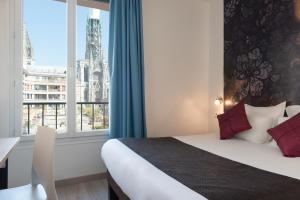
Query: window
{"x": 54, "y": 88}
{"x": 38, "y": 87}
{"x": 92, "y": 70}
{"x": 51, "y": 96}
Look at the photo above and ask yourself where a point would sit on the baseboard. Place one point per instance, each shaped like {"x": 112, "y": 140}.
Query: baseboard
{"x": 76, "y": 180}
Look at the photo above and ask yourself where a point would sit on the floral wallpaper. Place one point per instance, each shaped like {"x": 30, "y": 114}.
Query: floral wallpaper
{"x": 262, "y": 51}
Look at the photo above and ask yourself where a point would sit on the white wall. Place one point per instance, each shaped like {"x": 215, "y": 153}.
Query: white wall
{"x": 176, "y": 37}
{"x": 182, "y": 78}
{"x": 216, "y": 78}
{"x": 4, "y": 68}
{"x": 72, "y": 159}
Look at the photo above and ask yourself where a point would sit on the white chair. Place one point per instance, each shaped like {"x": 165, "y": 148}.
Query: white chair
{"x": 42, "y": 186}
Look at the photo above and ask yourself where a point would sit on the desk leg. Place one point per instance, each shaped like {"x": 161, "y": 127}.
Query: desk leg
{"x": 4, "y": 176}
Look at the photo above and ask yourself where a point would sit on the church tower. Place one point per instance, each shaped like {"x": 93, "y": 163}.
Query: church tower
{"x": 94, "y": 56}
{"x": 28, "y": 55}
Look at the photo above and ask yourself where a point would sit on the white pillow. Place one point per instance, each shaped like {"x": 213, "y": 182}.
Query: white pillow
{"x": 273, "y": 143}
{"x": 282, "y": 119}
{"x": 258, "y": 133}
{"x": 293, "y": 110}
{"x": 261, "y": 119}
{"x": 274, "y": 112}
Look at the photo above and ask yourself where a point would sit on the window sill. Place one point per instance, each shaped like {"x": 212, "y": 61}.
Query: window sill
{"x": 70, "y": 139}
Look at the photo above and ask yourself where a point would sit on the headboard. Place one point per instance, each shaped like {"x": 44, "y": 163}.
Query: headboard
{"x": 262, "y": 51}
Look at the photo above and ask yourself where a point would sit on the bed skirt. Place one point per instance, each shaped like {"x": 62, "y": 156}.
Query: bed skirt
{"x": 114, "y": 191}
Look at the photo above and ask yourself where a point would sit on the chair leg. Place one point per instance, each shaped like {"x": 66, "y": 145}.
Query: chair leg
{"x": 51, "y": 192}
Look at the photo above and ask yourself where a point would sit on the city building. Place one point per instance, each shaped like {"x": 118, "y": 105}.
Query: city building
{"x": 92, "y": 72}
{"x": 44, "y": 84}
{"x": 41, "y": 83}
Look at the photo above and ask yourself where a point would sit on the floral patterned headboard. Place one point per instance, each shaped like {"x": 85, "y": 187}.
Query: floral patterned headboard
{"x": 262, "y": 51}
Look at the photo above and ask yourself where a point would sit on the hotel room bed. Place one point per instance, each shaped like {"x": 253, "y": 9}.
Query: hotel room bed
{"x": 200, "y": 167}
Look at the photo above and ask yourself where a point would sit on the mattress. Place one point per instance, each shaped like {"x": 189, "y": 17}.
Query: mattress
{"x": 139, "y": 179}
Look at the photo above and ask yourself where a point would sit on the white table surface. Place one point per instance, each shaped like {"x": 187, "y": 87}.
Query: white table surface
{"x": 6, "y": 146}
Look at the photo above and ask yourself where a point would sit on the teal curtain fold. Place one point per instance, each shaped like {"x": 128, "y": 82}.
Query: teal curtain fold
{"x": 126, "y": 61}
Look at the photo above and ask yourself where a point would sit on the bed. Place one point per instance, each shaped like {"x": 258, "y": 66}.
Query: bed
{"x": 199, "y": 167}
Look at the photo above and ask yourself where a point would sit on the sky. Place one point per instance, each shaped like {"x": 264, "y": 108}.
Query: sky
{"x": 47, "y": 28}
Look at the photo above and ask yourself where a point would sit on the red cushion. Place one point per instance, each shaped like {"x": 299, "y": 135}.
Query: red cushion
{"x": 233, "y": 121}
{"x": 287, "y": 136}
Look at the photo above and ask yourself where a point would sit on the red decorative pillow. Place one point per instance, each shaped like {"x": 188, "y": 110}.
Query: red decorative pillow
{"x": 233, "y": 121}
{"x": 287, "y": 136}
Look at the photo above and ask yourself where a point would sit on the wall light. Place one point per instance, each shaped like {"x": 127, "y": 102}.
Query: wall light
{"x": 218, "y": 101}
{"x": 228, "y": 102}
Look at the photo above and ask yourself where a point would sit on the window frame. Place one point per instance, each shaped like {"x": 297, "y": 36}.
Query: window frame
{"x": 16, "y": 61}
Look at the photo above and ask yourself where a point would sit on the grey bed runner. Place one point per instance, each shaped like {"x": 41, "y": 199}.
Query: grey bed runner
{"x": 212, "y": 176}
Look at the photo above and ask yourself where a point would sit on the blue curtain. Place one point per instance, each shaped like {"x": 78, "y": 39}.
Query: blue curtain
{"x": 126, "y": 62}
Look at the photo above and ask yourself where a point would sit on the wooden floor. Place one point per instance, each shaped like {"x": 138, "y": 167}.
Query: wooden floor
{"x": 93, "y": 190}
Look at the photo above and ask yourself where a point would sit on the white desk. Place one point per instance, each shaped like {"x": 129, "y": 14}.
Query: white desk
{"x": 6, "y": 146}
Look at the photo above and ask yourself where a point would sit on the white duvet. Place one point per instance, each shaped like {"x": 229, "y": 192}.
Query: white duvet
{"x": 140, "y": 180}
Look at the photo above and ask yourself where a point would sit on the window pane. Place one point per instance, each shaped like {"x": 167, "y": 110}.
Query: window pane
{"x": 92, "y": 84}
{"x": 44, "y": 65}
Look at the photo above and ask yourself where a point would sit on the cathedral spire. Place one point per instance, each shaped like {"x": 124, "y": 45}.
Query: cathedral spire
{"x": 94, "y": 56}
{"x": 94, "y": 14}
{"x": 28, "y": 54}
